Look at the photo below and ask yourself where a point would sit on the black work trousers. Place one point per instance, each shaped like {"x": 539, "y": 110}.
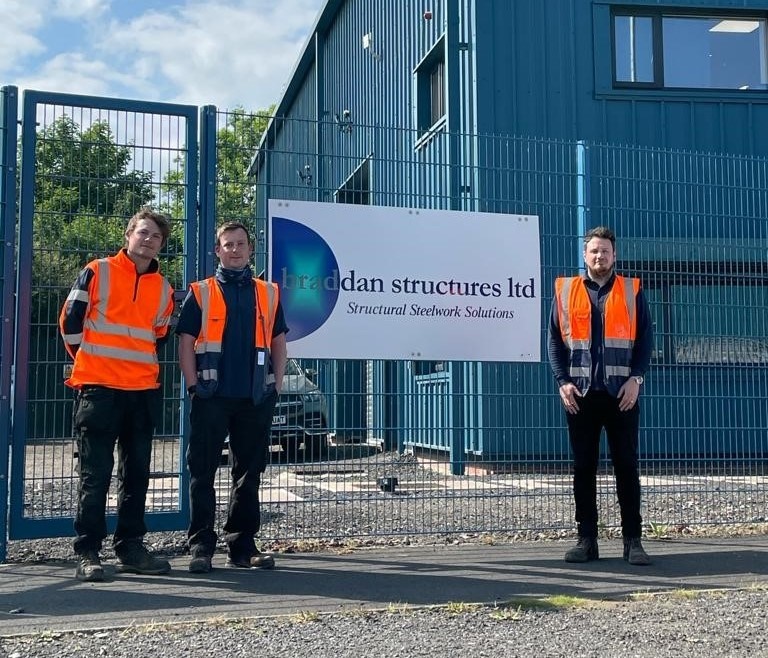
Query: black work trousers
{"x": 598, "y": 410}
{"x": 102, "y": 417}
{"x": 248, "y": 427}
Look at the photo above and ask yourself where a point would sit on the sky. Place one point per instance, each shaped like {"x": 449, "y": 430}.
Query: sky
{"x": 228, "y": 53}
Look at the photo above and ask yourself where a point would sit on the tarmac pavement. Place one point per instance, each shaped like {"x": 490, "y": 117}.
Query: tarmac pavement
{"x": 36, "y": 597}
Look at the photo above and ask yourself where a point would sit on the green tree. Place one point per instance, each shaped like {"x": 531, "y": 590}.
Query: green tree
{"x": 86, "y": 172}
{"x": 85, "y": 187}
{"x": 236, "y": 144}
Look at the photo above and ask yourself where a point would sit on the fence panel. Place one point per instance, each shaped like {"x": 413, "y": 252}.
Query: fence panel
{"x": 87, "y": 165}
{"x": 374, "y": 448}
{"x": 482, "y": 447}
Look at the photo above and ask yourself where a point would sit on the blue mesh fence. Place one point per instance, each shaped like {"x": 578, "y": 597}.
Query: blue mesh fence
{"x": 365, "y": 448}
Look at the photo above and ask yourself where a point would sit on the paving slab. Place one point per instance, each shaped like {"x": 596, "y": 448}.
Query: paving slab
{"x": 36, "y": 597}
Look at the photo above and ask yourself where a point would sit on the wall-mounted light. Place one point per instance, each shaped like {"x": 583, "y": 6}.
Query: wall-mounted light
{"x": 344, "y": 121}
{"x": 305, "y": 174}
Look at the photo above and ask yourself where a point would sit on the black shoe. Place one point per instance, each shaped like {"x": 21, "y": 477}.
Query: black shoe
{"x": 254, "y": 560}
{"x": 135, "y": 558}
{"x": 584, "y": 551}
{"x": 200, "y": 563}
{"x": 89, "y": 567}
{"x": 634, "y": 553}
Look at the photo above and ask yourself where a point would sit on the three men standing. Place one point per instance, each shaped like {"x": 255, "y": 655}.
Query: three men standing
{"x": 599, "y": 342}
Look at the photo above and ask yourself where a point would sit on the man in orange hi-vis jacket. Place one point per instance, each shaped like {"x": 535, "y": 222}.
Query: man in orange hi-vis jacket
{"x": 116, "y": 314}
{"x": 600, "y": 341}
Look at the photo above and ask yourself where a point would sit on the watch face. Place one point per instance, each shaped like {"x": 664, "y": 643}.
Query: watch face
{"x": 639, "y": 380}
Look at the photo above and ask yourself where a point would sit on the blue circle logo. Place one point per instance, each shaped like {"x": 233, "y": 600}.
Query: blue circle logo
{"x": 306, "y": 270}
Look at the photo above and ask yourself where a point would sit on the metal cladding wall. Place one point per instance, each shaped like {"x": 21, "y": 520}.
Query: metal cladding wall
{"x": 545, "y": 70}
{"x": 538, "y": 70}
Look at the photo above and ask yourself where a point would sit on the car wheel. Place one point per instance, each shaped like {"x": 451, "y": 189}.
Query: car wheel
{"x": 316, "y": 447}
{"x": 290, "y": 450}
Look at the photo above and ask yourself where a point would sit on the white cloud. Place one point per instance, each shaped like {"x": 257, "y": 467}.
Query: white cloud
{"x": 86, "y": 9}
{"x": 78, "y": 74}
{"x": 235, "y": 53}
{"x": 19, "y": 20}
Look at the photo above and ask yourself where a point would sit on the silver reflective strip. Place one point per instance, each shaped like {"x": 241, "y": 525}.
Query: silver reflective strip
{"x": 271, "y": 299}
{"x": 205, "y": 308}
{"x": 629, "y": 296}
{"x": 579, "y": 344}
{"x": 121, "y": 354}
{"x": 565, "y": 317}
{"x": 203, "y": 347}
{"x": 73, "y": 339}
{"x": 622, "y": 343}
{"x": 110, "y": 329}
{"x": 161, "y": 320}
{"x": 579, "y": 371}
{"x": 78, "y": 296}
{"x": 103, "y": 267}
{"x": 617, "y": 371}
{"x": 270, "y": 379}
{"x": 208, "y": 374}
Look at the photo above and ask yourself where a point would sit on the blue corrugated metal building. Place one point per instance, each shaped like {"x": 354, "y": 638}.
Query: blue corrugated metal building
{"x": 643, "y": 115}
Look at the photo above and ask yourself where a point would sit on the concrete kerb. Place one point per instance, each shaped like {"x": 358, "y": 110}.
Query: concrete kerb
{"x": 45, "y": 597}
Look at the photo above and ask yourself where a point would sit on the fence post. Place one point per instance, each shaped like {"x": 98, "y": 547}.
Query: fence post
{"x": 582, "y": 197}
{"x": 9, "y": 110}
{"x": 207, "y": 226}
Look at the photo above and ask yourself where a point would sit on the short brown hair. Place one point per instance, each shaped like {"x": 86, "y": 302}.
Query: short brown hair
{"x": 602, "y": 232}
{"x": 162, "y": 221}
{"x": 232, "y": 226}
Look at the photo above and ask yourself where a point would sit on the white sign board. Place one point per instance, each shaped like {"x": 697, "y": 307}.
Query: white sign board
{"x": 368, "y": 282}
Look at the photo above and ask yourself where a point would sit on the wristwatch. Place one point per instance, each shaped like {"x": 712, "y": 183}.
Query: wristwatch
{"x": 639, "y": 379}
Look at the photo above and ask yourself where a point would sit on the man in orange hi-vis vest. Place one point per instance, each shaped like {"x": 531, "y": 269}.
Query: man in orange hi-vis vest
{"x": 232, "y": 351}
{"x": 599, "y": 343}
{"x": 112, "y": 321}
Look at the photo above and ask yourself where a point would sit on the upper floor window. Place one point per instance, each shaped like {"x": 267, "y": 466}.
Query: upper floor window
{"x": 431, "y": 87}
{"x": 657, "y": 50}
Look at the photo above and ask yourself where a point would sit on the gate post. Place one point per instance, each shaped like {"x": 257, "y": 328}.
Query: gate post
{"x": 9, "y": 110}
{"x": 208, "y": 219}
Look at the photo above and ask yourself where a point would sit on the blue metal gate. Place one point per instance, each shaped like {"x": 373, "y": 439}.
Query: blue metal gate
{"x": 86, "y": 164}
{"x": 8, "y": 137}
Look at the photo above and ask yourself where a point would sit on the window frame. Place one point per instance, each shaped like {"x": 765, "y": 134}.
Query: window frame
{"x": 425, "y": 118}
{"x": 657, "y": 15}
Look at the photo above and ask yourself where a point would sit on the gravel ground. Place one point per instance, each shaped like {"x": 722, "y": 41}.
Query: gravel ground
{"x": 679, "y": 624}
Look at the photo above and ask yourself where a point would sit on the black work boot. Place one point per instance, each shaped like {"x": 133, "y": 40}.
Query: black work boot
{"x": 634, "y": 553}
{"x": 584, "y": 551}
{"x": 201, "y": 561}
{"x": 135, "y": 558}
{"x": 254, "y": 559}
{"x": 89, "y": 567}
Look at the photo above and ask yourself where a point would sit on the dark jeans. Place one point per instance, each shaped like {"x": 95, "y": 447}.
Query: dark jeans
{"x": 103, "y": 416}
{"x": 598, "y": 410}
{"x": 248, "y": 427}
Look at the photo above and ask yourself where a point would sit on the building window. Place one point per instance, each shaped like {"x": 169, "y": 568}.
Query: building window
{"x": 357, "y": 188}
{"x": 431, "y": 88}
{"x": 692, "y": 306}
{"x": 658, "y": 50}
